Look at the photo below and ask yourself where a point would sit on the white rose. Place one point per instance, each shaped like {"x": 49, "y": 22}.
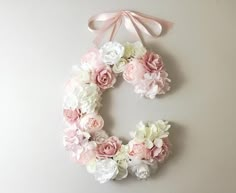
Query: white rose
{"x": 99, "y": 136}
{"x": 111, "y": 52}
{"x": 120, "y": 66}
{"x": 142, "y": 169}
{"x": 106, "y": 170}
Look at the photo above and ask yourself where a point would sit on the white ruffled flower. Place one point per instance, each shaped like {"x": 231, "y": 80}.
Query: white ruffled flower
{"x": 120, "y": 66}
{"x": 111, "y": 52}
{"x": 81, "y": 75}
{"x": 134, "y": 50}
{"x": 70, "y": 101}
{"x": 148, "y": 133}
{"x": 122, "y": 161}
{"x": 106, "y": 170}
{"x": 89, "y": 96}
{"x": 142, "y": 169}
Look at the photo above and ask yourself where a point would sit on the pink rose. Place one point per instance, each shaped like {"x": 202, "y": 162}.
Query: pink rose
{"x": 104, "y": 77}
{"x": 133, "y": 71}
{"x": 71, "y": 115}
{"x": 91, "y": 59}
{"x": 161, "y": 152}
{"x": 108, "y": 148}
{"x": 91, "y": 122}
{"x": 152, "y": 62}
{"x": 140, "y": 151}
{"x": 86, "y": 156}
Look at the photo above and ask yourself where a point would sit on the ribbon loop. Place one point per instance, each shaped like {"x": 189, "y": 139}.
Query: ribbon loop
{"x": 134, "y": 22}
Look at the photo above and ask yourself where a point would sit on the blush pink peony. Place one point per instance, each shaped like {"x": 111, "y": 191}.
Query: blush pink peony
{"x": 133, "y": 71}
{"x": 140, "y": 151}
{"x": 162, "y": 152}
{"x": 91, "y": 122}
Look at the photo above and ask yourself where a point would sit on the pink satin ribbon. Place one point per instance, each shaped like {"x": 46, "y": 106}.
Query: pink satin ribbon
{"x": 135, "y": 22}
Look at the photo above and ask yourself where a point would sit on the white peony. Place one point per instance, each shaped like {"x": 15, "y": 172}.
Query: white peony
{"x": 111, "y": 52}
{"x": 134, "y": 50}
{"x": 120, "y": 66}
{"x": 106, "y": 170}
{"x": 142, "y": 169}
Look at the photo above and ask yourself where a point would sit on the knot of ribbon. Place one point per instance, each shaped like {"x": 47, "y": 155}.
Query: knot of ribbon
{"x": 134, "y": 22}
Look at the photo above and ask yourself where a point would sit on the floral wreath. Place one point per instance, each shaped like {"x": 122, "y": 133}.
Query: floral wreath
{"x": 106, "y": 157}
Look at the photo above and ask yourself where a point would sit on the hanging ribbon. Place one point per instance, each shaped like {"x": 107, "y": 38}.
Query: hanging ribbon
{"x": 134, "y": 22}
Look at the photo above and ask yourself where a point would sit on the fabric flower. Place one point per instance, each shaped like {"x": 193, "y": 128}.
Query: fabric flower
{"x": 70, "y": 101}
{"x": 152, "y": 62}
{"x": 153, "y": 84}
{"x": 161, "y": 150}
{"x": 122, "y": 162}
{"x": 104, "y": 77}
{"x": 89, "y": 96}
{"x": 133, "y": 72}
{"x": 139, "y": 151}
{"x": 108, "y": 148}
{"x": 111, "y": 52}
{"x": 91, "y": 59}
{"x": 134, "y": 50}
{"x": 71, "y": 115}
{"x": 120, "y": 66}
{"x": 106, "y": 170}
{"x": 91, "y": 122}
{"x": 99, "y": 136}
{"x": 80, "y": 75}
{"x": 148, "y": 133}
{"x": 142, "y": 169}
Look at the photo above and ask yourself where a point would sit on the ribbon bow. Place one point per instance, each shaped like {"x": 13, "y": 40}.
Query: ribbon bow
{"x": 135, "y": 22}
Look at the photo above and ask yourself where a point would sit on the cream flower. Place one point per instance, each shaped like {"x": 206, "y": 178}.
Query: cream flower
{"x": 122, "y": 161}
{"x": 111, "y": 52}
{"x": 89, "y": 96}
{"x": 148, "y": 133}
{"x": 70, "y": 101}
{"x": 106, "y": 170}
{"x": 134, "y": 50}
{"x": 120, "y": 66}
{"x": 81, "y": 75}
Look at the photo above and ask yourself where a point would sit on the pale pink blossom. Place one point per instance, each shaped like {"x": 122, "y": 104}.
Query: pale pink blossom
{"x": 153, "y": 84}
{"x": 140, "y": 151}
{"x": 91, "y": 122}
{"x": 108, "y": 148}
{"x": 104, "y": 77}
{"x": 71, "y": 115}
{"x": 133, "y": 71}
{"x": 152, "y": 62}
{"x": 91, "y": 59}
{"x": 161, "y": 152}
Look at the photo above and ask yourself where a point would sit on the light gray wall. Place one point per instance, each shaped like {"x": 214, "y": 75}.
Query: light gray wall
{"x": 41, "y": 40}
